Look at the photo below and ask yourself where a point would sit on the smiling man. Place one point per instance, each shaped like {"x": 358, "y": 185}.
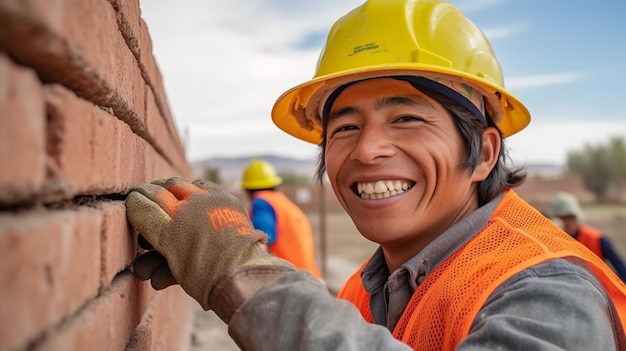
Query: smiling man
{"x": 409, "y": 109}
{"x": 397, "y": 156}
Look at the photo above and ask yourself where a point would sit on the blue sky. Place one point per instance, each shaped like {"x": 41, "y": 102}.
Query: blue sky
{"x": 224, "y": 63}
{"x": 577, "y": 47}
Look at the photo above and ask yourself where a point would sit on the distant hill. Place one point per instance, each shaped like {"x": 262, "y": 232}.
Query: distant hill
{"x": 231, "y": 168}
{"x": 545, "y": 170}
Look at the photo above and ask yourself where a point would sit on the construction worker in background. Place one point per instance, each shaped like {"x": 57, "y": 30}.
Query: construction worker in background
{"x": 409, "y": 109}
{"x": 289, "y": 232}
{"x": 566, "y": 208}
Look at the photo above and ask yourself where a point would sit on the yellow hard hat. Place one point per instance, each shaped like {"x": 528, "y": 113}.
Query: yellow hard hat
{"x": 428, "y": 38}
{"x": 260, "y": 174}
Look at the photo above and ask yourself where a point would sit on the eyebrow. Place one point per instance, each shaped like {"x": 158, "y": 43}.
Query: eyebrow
{"x": 385, "y": 102}
{"x": 403, "y": 101}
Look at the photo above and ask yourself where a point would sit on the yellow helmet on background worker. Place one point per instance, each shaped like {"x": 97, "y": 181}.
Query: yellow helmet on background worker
{"x": 427, "y": 38}
{"x": 260, "y": 174}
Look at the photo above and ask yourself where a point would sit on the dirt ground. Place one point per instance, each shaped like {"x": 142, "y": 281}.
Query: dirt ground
{"x": 345, "y": 249}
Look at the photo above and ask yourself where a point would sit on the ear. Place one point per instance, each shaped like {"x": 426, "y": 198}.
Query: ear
{"x": 491, "y": 145}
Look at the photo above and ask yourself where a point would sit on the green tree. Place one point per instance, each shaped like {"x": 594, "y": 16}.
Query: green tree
{"x": 617, "y": 155}
{"x": 212, "y": 174}
{"x": 602, "y": 167}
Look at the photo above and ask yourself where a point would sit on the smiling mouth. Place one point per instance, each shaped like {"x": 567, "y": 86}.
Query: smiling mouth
{"x": 381, "y": 189}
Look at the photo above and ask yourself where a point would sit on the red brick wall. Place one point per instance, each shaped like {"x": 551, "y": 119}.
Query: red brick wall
{"x": 83, "y": 117}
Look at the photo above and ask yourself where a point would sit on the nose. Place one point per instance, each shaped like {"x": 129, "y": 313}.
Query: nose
{"x": 372, "y": 145}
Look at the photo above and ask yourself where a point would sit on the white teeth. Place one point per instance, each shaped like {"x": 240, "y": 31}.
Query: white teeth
{"x": 382, "y": 188}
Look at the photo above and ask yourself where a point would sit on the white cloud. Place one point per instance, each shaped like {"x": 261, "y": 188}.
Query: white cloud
{"x": 225, "y": 62}
{"x": 517, "y": 83}
{"x": 504, "y": 31}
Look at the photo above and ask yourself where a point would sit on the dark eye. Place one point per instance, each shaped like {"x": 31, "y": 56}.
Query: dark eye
{"x": 344, "y": 128}
{"x": 408, "y": 119}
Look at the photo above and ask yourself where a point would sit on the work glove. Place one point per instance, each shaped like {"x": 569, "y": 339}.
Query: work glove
{"x": 151, "y": 265}
{"x": 200, "y": 234}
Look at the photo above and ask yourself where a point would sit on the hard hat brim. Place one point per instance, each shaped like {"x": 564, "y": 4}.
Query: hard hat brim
{"x": 297, "y": 110}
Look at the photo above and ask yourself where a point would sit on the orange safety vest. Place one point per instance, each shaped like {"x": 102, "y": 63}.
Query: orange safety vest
{"x": 441, "y": 311}
{"x": 590, "y": 237}
{"x": 294, "y": 235}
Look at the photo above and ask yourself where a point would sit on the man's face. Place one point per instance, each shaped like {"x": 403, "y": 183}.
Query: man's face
{"x": 569, "y": 224}
{"x": 384, "y": 134}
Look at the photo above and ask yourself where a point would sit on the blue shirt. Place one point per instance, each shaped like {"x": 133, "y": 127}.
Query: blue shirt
{"x": 264, "y": 218}
{"x": 613, "y": 258}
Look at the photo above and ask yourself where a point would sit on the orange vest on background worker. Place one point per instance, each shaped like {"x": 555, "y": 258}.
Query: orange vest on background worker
{"x": 442, "y": 309}
{"x": 294, "y": 236}
{"x": 590, "y": 237}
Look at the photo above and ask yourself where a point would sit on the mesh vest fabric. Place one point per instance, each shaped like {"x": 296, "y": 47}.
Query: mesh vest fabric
{"x": 516, "y": 237}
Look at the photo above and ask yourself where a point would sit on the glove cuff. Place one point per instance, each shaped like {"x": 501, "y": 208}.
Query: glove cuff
{"x": 234, "y": 290}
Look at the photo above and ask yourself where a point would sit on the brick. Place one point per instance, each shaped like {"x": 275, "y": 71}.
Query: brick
{"x": 96, "y": 61}
{"x": 22, "y": 135}
{"x": 96, "y": 153}
{"x": 149, "y": 164}
{"x": 50, "y": 267}
{"x": 93, "y": 152}
{"x": 160, "y": 168}
{"x": 67, "y": 44}
{"x": 176, "y": 321}
{"x": 104, "y": 48}
{"x": 119, "y": 245}
{"x": 149, "y": 65}
{"x": 106, "y": 323}
{"x": 135, "y": 32}
{"x": 166, "y": 137}
{"x": 55, "y": 35}
{"x": 86, "y": 144}
{"x": 128, "y": 19}
{"x": 129, "y": 83}
{"x": 141, "y": 339}
{"x": 134, "y": 157}
{"x": 145, "y": 295}
{"x": 138, "y": 39}
{"x": 166, "y": 324}
{"x": 122, "y": 316}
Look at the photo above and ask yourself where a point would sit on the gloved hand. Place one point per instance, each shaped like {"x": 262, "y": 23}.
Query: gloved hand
{"x": 201, "y": 234}
{"x": 151, "y": 265}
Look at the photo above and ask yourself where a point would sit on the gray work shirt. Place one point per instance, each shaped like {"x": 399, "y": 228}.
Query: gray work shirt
{"x": 555, "y": 305}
